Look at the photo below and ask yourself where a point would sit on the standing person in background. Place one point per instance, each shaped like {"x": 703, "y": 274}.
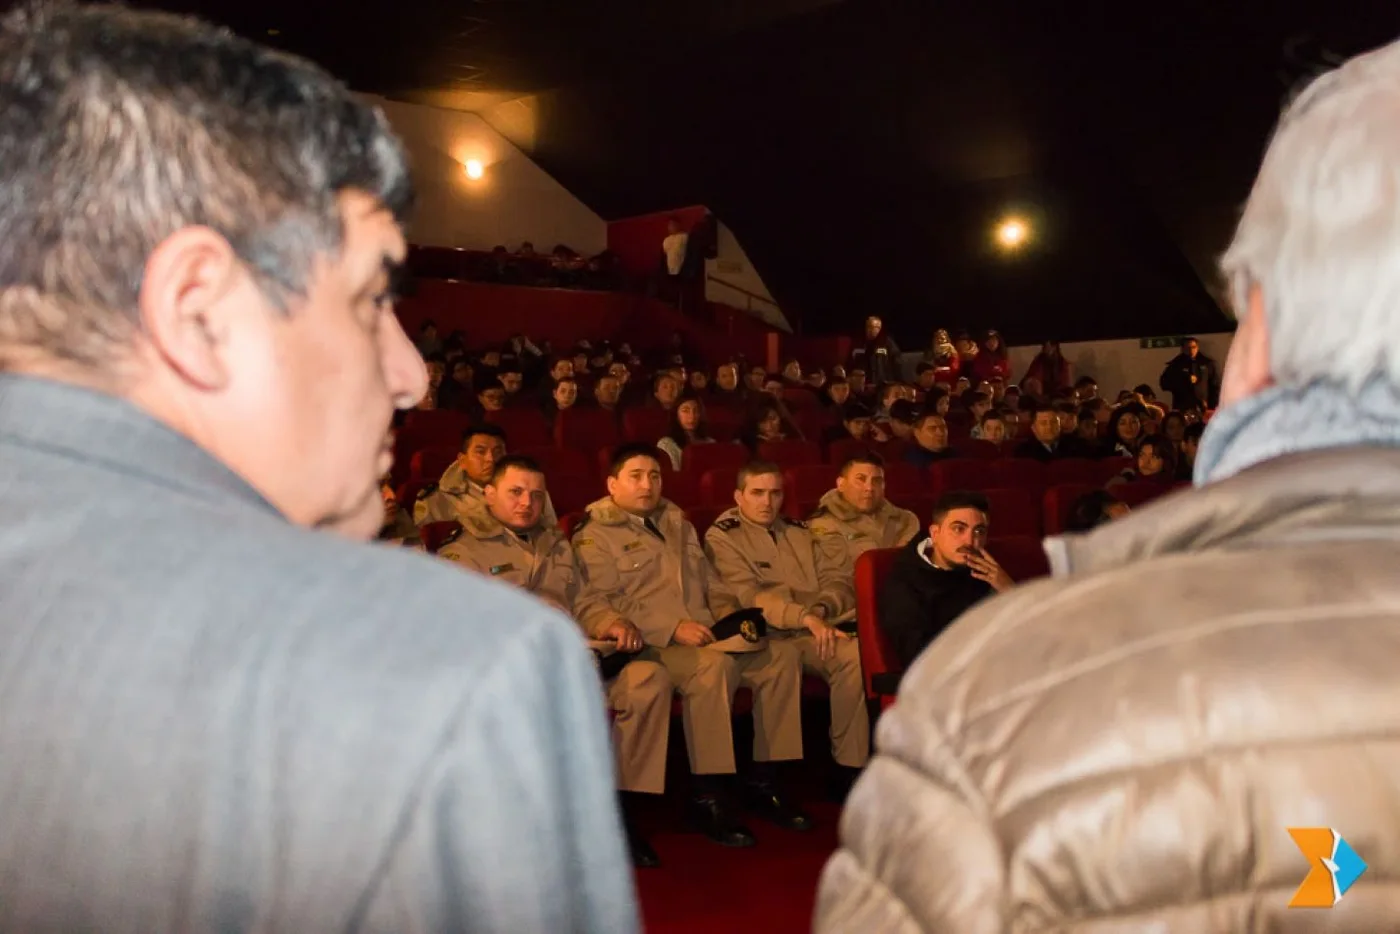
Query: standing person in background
{"x": 878, "y": 356}
{"x": 223, "y": 710}
{"x": 993, "y": 362}
{"x": 673, "y": 247}
{"x": 1192, "y": 378}
{"x": 1050, "y": 371}
{"x": 1126, "y": 745}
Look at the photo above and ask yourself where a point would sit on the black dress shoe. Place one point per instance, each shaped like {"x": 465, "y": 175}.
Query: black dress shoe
{"x": 716, "y": 822}
{"x": 768, "y": 801}
{"x": 643, "y": 856}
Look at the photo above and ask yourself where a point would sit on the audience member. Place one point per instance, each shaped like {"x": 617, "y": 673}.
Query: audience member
{"x": 930, "y": 442}
{"x": 878, "y": 356}
{"x": 1050, "y": 371}
{"x": 836, "y": 394}
{"x": 992, "y": 429}
{"x": 1190, "y": 444}
{"x": 939, "y": 576}
{"x": 1155, "y": 460}
{"x": 856, "y": 517}
{"x": 607, "y": 392}
{"x": 902, "y": 416}
{"x": 666, "y": 390}
{"x": 1125, "y": 431}
{"x": 992, "y": 361}
{"x": 800, "y": 584}
{"x": 465, "y": 479}
{"x": 673, "y": 247}
{"x": 1045, "y": 443}
{"x": 624, "y": 544}
{"x": 687, "y": 427}
{"x": 1192, "y": 378}
{"x": 765, "y": 423}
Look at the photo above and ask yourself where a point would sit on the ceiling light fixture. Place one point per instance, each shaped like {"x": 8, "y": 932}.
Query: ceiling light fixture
{"x": 475, "y": 169}
{"x": 1012, "y": 233}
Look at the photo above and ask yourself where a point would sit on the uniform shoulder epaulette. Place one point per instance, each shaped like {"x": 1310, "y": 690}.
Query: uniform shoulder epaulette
{"x": 427, "y": 490}
{"x": 450, "y": 538}
{"x": 797, "y": 522}
{"x": 582, "y": 524}
{"x": 727, "y": 525}
{"x": 818, "y": 513}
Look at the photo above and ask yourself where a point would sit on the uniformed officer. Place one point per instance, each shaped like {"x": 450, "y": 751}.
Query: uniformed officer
{"x": 855, "y": 517}
{"x": 640, "y": 553}
{"x": 503, "y": 536}
{"x": 800, "y": 583}
{"x": 398, "y": 528}
{"x": 466, "y": 479}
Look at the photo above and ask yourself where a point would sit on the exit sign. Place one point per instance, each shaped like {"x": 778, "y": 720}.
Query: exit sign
{"x": 1157, "y": 343}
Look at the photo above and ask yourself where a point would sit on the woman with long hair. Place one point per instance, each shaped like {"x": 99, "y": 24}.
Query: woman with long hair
{"x": 993, "y": 362}
{"x": 1125, "y": 431}
{"x": 765, "y": 423}
{"x": 688, "y": 426}
{"x": 1050, "y": 370}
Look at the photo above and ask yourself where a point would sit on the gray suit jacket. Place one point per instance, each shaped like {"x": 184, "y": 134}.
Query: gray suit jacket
{"x": 211, "y": 720}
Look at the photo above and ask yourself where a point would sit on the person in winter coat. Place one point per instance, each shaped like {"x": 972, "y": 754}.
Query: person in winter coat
{"x": 1126, "y": 745}
{"x": 1192, "y": 378}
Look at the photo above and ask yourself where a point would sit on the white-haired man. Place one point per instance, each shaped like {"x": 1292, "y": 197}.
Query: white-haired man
{"x": 1127, "y": 745}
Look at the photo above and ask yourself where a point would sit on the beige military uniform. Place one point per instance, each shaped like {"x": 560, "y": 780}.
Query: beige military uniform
{"x": 789, "y": 573}
{"x": 446, "y": 500}
{"x": 657, "y": 579}
{"x": 543, "y": 563}
{"x": 843, "y": 527}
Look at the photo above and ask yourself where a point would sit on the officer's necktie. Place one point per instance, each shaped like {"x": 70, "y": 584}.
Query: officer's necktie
{"x": 651, "y": 527}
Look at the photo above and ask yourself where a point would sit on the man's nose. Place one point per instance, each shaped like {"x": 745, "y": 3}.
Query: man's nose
{"x": 405, "y": 373}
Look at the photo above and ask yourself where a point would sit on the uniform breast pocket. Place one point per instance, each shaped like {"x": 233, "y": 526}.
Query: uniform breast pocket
{"x": 636, "y": 564}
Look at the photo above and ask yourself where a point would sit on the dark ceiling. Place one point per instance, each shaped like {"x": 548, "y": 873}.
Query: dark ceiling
{"x": 862, "y": 151}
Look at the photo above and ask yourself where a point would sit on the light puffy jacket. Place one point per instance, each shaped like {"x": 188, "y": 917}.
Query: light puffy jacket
{"x": 1124, "y": 747}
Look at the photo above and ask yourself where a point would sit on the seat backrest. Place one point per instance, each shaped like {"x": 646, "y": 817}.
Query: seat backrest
{"x": 1020, "y": 555}
{"x": 558, "y": 462}
{"x": 960, "y": 473}
{"x": 1074, "y": 470}
{"x": 1058, "y": 501}
{"x": 571, "y": 492}
{"x": 796, "y": 397}
{"x": 1020, "y": 472}
{"x": 838, "y": 451}
{"x": 433, "y": 534}
{"x": 804, "y": 486}
{"x": 408, "y": 492}
{"x": 904, "y": 481}
{"x": 702, "y": 517}
{"x": 1013, "y": 512}
{"x": 586, "y": 429}
{"x": 871, "y": 569}
{"x": 570, "y": 521}
{"x": 438, "y": 422}
{"x": 978, "y": 449}
{"x": 524, "y": 428}
{"x": 430, "y": 463}
{"x": 813, "y": 422}
{"x": 644, "y": 423}
{"x": 725, "y": 422}
{"x": 717, "y": 487}
{"x": 791, "y": 453}
{"x": 697, "y": 459}
{"x": 1140, "y": 492}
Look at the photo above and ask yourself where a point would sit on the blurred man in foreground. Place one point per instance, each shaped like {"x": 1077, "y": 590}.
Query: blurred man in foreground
{"x": 217, "y": 715}
{"x": 1126, "y": 746}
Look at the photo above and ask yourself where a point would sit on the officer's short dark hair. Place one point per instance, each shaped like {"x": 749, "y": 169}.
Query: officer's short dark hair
{"x": 755, "y": 468}
{"x": 959, "y": 499}
{"x": 861, "y": 457}
{"x": 490, "y": 431}
{"x": 519, "y": 462}
{"x": 1085, "y": 381}
{"x": 625, "y": 452}
{"x": 119, "y": 127}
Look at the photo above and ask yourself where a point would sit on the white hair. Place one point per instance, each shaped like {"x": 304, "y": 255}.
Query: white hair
{"x": 1320, "y": 234}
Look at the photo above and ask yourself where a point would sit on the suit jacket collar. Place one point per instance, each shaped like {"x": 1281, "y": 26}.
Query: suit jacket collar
{"x": 85, "y": 425}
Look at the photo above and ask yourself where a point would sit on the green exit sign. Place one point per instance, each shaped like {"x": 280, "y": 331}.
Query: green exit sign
{"x": 1157, "y": 343}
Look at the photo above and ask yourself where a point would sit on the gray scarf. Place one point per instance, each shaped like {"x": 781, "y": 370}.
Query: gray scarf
{"x": 1292, "y": 420}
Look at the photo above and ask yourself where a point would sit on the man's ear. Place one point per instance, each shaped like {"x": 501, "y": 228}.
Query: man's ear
{"x": 738, "y": 498}
{"x": 185, "y": 305}
{"x": 1247, "y": 368}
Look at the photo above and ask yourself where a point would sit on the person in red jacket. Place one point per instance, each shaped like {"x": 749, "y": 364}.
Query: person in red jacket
{"x": 992, "y": 362}
{"x": 1050, "y": 369}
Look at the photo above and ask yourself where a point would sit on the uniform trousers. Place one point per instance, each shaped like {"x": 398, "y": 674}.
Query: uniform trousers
{"x": 707, "y": 680}
{"x": 850, "y": 718}
{"x": 640, "y": 698}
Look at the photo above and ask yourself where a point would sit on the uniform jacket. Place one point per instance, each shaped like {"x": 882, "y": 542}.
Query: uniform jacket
{"x": 654, "y": 583}
{"x": 857, "y": 532}
{"x": 542, "y": 563}
{"x": 447, "y": 500}
{"x": 212, "y": 720}
{"x": 1122, "y": 748}
{"x": 786, "y": 571}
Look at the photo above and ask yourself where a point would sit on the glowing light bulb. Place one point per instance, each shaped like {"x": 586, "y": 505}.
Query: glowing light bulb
{"x": 475, "y": 169}
{"x": 1013, "y": 232}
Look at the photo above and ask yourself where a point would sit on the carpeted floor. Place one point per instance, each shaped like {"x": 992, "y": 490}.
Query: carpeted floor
{"x": 704, "y": 888}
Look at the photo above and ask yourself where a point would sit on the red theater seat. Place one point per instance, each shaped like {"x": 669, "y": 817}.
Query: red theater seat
{"x": 431, "y": 463}
{"x": 960, "y": 474}
{"x": 717, "y": 487}
{"x": 559, "y": 463}
{"x": 408, "y": 493}
{"x": 434, "y": 534}
{"x": 724, "y": 422}
{"x": 437, "y": 422}
{"x": 978, "y": 449}
{"x": 803, "y": 488}
{"x": 876, "y": 660}
{"x": 571, "y": 521}
{"x": 646, "y": 424}
{"x": 1140, "y": 492}
{"x": 838, "y": 451}
{"x": 586, "y": 429}
{"x": 1013, "y": 512}
{"x": 702, "y": 517}
{"x": 1020, "y": 555}
{"x": 570, "y": 492}
{"x": 698, "y": 459}
{"x": 1075, "y": 470}
{"x": 791, "y": 453}
{"x": 524, "y": 428}
{"x": 904, "y": 480}
{"x": 1058, "y": 501}
{"x": 1020, "y": 472}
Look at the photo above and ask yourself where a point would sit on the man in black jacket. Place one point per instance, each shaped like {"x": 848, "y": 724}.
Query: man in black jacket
{"x": 1192, "y": 378}
{"x": 936, "y": 578}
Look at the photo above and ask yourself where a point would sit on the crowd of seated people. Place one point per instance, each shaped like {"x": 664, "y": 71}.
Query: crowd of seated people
{"x": 579, "y": 473}
{"x": 560, "y": 268}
